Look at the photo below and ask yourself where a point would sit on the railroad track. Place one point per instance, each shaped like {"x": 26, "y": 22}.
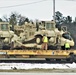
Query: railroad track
{"x": 34, "y": 61}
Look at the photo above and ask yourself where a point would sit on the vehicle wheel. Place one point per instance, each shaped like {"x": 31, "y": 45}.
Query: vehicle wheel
{"x": 1, "y": 44}
{"x": 63, "y": 47}
{"x": 38, "y": 40}
{"x": 5, "y": 47}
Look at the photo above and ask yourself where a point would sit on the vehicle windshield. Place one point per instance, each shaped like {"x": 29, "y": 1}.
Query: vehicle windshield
{"x": 49, "y": 26}
{"x": 67, "y": 36}
{"x": 4, "y": 27}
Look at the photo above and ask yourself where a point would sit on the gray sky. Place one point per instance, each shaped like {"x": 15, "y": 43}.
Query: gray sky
{"x": 38, "y": 10}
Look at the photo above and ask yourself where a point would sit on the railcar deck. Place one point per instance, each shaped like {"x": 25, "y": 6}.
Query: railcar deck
{"x": 58, "y": 54}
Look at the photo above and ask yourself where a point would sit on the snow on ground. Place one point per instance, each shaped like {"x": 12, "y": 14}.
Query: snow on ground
{"x": 8, "y": 66}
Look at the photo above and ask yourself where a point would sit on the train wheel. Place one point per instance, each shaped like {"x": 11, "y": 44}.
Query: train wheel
{"x": 58, "y": 59}
{"x": 68, "y": 59}
{"x": 38, "y": 40}
{"x": 72, "y": 57}
{"x": 48, "y": 59}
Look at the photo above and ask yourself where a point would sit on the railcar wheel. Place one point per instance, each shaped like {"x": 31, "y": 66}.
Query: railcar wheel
{"x": 48, "y": 59}
{"x": 68, "y": 59}
{"x": 72, "y": 57}
{"x": 38, "y": 40}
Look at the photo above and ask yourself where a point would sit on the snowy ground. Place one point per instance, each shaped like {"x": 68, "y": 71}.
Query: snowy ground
{"x": 26, "y": 66}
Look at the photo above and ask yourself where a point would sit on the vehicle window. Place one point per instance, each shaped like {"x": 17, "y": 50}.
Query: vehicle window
{"x": 67, "y": 36}
{"x": 4, "y": 27}
{"x": 49, "y": 26}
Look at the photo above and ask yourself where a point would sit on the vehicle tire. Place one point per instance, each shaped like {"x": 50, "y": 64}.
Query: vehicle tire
{"x": 5, "y": 47}
{"x": 38, "y": 40}
{"x": 1, "y": 44}
{"x": 63, "y": 47}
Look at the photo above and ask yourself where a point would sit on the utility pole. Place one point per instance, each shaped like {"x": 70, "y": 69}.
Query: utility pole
{"x": 54, "y": 10}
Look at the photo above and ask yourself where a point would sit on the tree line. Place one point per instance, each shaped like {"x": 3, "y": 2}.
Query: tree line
{"x": 16, "y": 18}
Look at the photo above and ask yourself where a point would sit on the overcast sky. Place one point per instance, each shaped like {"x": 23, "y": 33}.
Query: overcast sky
{"x": 37, "y": 9}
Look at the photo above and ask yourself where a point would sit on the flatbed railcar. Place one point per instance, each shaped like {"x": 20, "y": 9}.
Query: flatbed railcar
{"x": 68, "y": 55}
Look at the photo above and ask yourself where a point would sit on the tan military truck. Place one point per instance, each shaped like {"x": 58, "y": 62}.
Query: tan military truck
{"x": 5, "y": 34}
{"x": 57, "y": 38}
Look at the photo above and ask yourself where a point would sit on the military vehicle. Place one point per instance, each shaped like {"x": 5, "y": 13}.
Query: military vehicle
{"x": 7, "y": 36}
{"x": 30, "y": 34}
{"x": 57, "y": 38}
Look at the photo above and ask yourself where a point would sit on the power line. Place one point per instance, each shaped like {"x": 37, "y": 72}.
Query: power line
{"x": 23, "y": 4}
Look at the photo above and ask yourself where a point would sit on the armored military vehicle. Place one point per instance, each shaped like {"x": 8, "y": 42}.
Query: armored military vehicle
{"x": 56, "y": 37}
{"x": 5, "y": 34}
{"x": 30, "y": 34}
